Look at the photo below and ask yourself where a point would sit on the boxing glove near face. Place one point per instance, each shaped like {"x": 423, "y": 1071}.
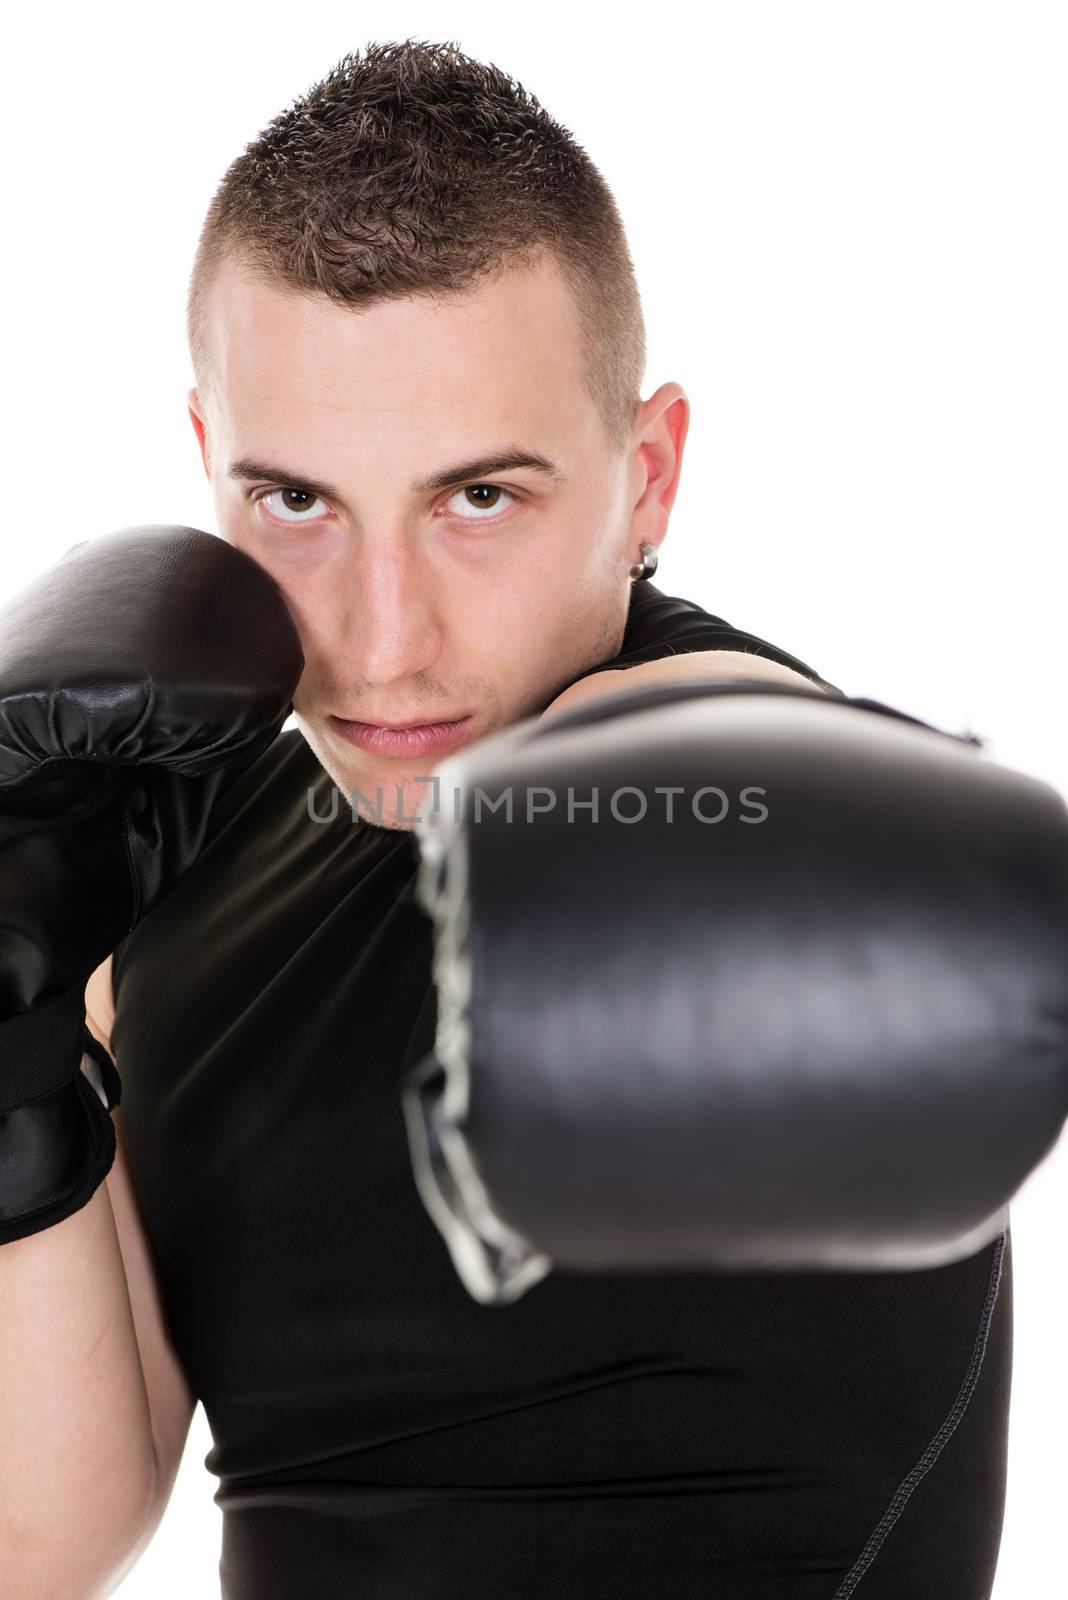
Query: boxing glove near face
{"x": 138, "y": 677}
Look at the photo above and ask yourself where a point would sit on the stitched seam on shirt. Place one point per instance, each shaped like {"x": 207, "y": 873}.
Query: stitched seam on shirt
{"x": 939, "y": 1441}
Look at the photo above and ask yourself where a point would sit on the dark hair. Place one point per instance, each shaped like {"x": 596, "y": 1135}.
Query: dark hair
{"x": 412, "y": 169}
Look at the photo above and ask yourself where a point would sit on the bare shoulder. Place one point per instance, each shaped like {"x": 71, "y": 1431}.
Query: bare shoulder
{"x": 744, "y": 664}
{"x": 716, "y": 666}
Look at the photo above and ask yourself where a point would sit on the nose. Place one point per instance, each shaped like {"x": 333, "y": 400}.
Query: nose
{"x": 388, "y": 627}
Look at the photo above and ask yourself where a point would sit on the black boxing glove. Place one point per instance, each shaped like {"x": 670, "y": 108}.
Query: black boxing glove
{"x": 138, "y": 678}
{"x": 806, "y": 1009}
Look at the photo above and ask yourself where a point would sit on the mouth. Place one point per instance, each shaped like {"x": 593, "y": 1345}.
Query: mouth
{"x": 404, "y": 738}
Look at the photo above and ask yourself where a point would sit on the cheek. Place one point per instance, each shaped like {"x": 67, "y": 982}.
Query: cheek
{"x": 528, "y": 643}
{"x": 494, "y": 645}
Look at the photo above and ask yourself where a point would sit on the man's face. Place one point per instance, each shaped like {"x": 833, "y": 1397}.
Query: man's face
{"x": 325, "y": 431}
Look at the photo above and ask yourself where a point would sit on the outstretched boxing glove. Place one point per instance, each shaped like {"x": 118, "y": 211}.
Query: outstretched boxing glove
{"x": 138, "y": 678}
{"x": 736, "y": 975}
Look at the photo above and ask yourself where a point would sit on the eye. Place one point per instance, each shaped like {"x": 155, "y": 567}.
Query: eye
{"x": 293, "y": 499}
{"x": 294, "y": 504}
{"x": 480, "y": 504}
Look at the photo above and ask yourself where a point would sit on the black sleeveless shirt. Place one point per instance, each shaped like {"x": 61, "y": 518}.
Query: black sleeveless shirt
{"x": 376, "y": 1432}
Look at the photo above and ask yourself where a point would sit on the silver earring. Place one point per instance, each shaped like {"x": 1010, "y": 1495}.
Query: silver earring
{"x": 647, "y": 565}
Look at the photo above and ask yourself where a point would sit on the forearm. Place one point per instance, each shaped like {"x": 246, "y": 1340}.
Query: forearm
{"x": 77, "y": 1467}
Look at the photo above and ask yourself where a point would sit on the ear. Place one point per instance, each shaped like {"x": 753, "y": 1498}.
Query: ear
{"x": 660, "y": 439}
{"x": 200, "y": 427}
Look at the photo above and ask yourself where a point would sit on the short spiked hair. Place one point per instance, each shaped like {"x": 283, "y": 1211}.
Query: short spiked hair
{"x": 412, "y": 169}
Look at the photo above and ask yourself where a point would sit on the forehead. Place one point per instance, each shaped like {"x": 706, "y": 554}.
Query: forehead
{"x": 503, "y": 357}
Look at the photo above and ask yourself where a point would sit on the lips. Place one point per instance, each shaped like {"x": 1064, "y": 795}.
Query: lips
{"x": 412, "y": 722}
{"x": 410, "y": 739}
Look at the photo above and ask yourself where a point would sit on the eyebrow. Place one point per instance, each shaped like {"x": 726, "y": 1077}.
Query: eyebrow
{"x": 500, "y": 461}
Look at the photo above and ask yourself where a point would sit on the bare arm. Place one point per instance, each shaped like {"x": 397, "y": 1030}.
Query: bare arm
{"x": 722, "y": 665}
{"x": 83, "y": 1483}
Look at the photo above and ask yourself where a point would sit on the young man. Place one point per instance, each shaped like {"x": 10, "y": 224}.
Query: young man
{"x": 418, "y": 348}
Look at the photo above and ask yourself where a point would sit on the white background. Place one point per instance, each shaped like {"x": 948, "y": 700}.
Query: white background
{"x": 848, "y": 222}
